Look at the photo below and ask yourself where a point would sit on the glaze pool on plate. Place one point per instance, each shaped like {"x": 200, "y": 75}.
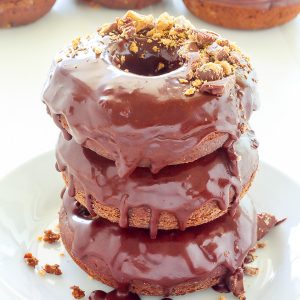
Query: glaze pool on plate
{"x": 29, "y": 203}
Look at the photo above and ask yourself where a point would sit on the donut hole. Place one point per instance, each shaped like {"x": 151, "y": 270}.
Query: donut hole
{"x": 143, "y": 58}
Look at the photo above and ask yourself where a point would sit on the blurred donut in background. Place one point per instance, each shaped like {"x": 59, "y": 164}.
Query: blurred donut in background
{"x": 122, "y": 4}
{"x": 21, "y": 12}
{"x": 245, "y": 14}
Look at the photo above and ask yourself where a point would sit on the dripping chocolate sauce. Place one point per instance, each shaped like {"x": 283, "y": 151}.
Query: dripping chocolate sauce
{"x": 179, "y": 190}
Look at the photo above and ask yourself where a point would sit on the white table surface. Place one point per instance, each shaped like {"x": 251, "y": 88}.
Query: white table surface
{"x": 26, "y": 53}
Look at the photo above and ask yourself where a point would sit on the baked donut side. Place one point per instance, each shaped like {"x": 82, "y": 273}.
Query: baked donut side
{"x": 246, "y": 16}
{"x": 178, "y": 197}
{"x": 120, "y": 256}
{"x": 153, "y": 93}
{"x": 123, "y": 4}
{"x": 21, "y": 12}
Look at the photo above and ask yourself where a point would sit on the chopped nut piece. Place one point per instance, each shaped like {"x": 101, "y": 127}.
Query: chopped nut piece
{"x": 40, "y": 238}
{"x": 77, "y": 293}
{"x": 189, "y": 92}
{"x": 160, "y": 66}
{"x": 261, "y": 245}
{"x": 196, "y": 83}
{"x": 122, "y": 59}
{"x": 250, "y": 258}
{"x": 149, "y": 41}
{"x": 222, "y": 42}
{"x": 133, "y": 47}
{"x": 59, "y": 59}
{"x": 50, "y": 237}
{"x": 42, "y": 272}
{"x": 141, "y": 22}
{"x": 226, "y": 67}
{"x": 107, "y": 28}
{"x": 242, "y": 297}
{"x": 97, "y": 51}
{"x": 203, "y": 38}
{"x": 243, "y": 127}
{"x": 75, "y": 43}
{"x": 61, "y": 254}
{"x": 52, "y": 269}
{"x": 182, "y": 80}
{"x": 222, "y": 298}
{"x": 164, "y": 22}
{"x": 30, "y": 260}
{"x": 251, "y": 271}
{"x": 209, "y": 72}
{"x": 155, "y": 49}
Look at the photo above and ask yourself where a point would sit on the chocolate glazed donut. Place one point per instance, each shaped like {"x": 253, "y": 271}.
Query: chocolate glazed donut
{"x": 178, "y": 197}
{"x": 21, "y": 12}
{"x": 175, "y": 262}
{"x": 151, "y": 93}
{"x": 124, "y": 4}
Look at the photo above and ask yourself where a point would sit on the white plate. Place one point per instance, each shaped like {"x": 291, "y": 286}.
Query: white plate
{"x": 29, "y": 202}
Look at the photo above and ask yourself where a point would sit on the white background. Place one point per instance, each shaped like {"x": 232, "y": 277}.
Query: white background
{"x": 26, "y": 53}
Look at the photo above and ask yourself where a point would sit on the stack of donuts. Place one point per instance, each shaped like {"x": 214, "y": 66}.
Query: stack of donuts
{"x": 156, "y": 154}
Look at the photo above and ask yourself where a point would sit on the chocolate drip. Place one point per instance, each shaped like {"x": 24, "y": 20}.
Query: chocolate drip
{"x": 172, "y": 258}
{"x": 265, "y": 222}
{"x": 234, "y": 282}
{"x": 179, "y": 190}
{"x": 221, "y": 287}
{"x": 56, "y": 119}
{"x": 71, "y": 186}
{"x": 134, "y": 118}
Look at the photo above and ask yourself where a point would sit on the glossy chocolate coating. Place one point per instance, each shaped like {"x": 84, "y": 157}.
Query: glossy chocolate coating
{"x": 138, "y": 119}
{"x": 179, "y": 190}
{"x": 172, "y": 258}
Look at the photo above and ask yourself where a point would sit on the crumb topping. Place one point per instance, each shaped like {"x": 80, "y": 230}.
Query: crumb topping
{"x": 261, "y": 245}
{"x": 52, "y": 269}
{"x": 210, "y": 59}
{"x": 250, "y": 258}
{"x": 50, "y": 237}
{"x": 133, "y": 47}
{"x": 77, "y": 292}
{"x": 250, "y": 271}
{"x": 30, "y": 260}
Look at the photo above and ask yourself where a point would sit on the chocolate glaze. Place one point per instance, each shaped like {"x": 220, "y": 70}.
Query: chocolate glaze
{"x": 172, "y": 258}
{"x": 141, "y": 119}
{"x": 179, "y": 190}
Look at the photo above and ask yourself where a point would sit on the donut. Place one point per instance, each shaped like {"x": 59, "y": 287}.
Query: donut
{"x": 177, "y": 197}
{"x": 151, "y": 93}
{"x": 123, "y": 4}
{"x": 21, "y": 12}
{"x": 247, "y": 14}
{"x": 174, "y": 263}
